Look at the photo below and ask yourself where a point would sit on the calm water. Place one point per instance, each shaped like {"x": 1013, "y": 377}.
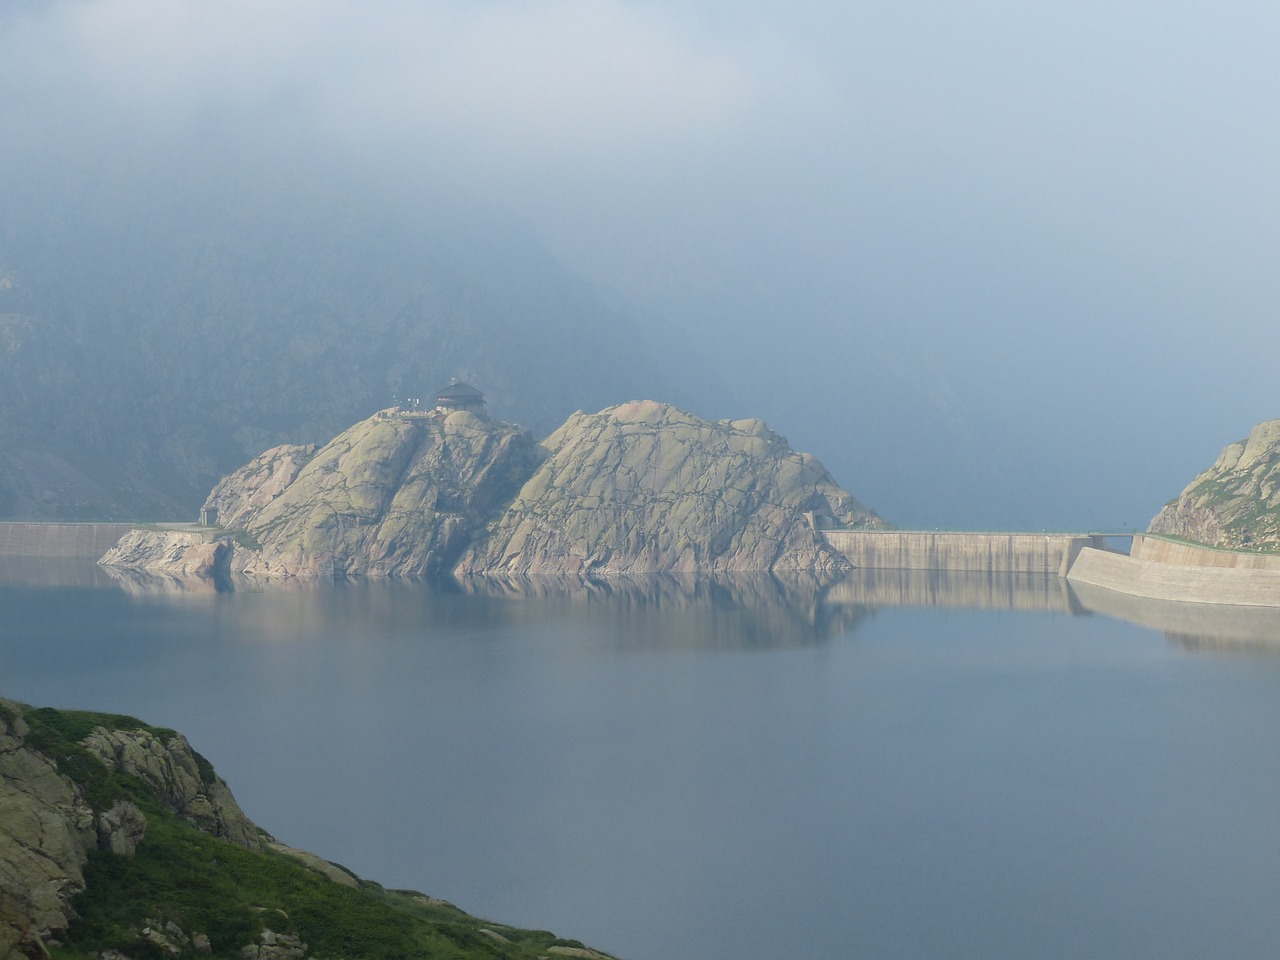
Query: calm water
{"x": 685, "y": 771}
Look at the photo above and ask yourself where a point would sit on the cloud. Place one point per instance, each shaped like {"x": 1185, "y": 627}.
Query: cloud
{"x": 480, "y": 81}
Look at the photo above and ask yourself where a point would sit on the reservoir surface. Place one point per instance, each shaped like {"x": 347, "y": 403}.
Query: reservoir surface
{"x": 729, "y": 770}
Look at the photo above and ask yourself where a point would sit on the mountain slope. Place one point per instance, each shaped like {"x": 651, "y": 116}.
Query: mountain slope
{"x": 152, "y": 340}
{"x": 1236, "y": 502}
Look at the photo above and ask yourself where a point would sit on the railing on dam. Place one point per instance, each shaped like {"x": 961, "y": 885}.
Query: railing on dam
{"x": 972, "y": 552}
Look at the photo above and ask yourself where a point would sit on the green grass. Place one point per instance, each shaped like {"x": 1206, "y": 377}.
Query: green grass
{"x": 205, "y": 885}
{"x": 245, "y": 539}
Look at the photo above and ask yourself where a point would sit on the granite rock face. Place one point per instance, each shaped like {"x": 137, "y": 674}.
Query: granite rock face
{"x": 173, "y": 771}
{"x": 636, "y": 489}
{"x": 646, "y": 488}
{"x": 171, "y": 552}
{"x": 1236, "y": 502}
{"x": 237, "y": 498}
{"x": 46, "y": 832}
{"x": 394, "y": 495}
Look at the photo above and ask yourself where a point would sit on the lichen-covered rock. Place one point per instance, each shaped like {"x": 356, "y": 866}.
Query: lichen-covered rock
{"x": 647, "y": 488}
{"x": 175, "y": 553}
{"x": 121, "y": 829}
{"x": 179, "y": 778}
{"x": 639, "y": 488}
{"x": 241, "y": 495}
{"x": 394, "y": 495}
{"x": 46, "y": 831}
{"x": 1236, "y": 502}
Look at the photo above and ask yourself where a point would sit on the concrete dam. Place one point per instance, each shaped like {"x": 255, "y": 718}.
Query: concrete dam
{"x": 64, "y": 541}
{"x": 1022, "y": 553}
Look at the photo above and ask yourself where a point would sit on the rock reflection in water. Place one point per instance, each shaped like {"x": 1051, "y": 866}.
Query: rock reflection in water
{"x": 729, "y": 612}
{"x": 152, "y": 583}
{"x": 741, "y": 611}
{"x": 1192, "y": 625}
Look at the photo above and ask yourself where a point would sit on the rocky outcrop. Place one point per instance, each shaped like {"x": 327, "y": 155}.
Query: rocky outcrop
{"x": 48, "y": 825}
{"x": 646, "y": 488}
{"x": 175, "y": 553}
{"x": 394, "y": 495}
{"x": 46, "y": 831}
{"x": 242, "y": 495}
{"x": 182, "y": 872}
{"x": 636, "y": 489}
{"x": 1236, "y": 502}
{"x": 182, "y": 780}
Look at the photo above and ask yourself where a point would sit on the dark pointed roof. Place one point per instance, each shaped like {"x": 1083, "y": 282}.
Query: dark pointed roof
{"x": 457, "y": 390}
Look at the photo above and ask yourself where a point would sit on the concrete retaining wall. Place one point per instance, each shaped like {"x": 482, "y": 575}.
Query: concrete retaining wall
{"x": 64, "y": 540}
{"x": 1159, "y": 550}
{"x": 1246, "y": 585}
{"x": 1030, "y": 553}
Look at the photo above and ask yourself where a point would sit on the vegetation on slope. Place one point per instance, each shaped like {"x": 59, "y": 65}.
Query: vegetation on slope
{"x": 1236, "y": 502}
{"x": 184, "y": 893}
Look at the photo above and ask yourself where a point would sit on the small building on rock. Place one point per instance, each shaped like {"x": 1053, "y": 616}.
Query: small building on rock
{"x": 460, "y": 396}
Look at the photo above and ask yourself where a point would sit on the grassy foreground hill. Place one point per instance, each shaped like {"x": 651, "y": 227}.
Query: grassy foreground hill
{"x": 119, "y": 841}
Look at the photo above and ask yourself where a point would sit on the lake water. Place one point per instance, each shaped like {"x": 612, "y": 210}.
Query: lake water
{"x": 700, "y": 771}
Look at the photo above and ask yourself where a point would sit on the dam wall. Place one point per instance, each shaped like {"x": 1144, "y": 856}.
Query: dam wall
{"x": 1025, "y": 553}
{"x": 1161, "y": 550}
{"x": 1161, "y": 570}
{"x": 66, "y": 541}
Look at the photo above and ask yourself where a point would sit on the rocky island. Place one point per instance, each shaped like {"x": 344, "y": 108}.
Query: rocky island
{"x": 119, "y": 841}
{"x": 639, "y": 488}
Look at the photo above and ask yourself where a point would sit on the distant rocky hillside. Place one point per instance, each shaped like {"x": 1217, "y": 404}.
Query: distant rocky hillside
{"x": 117, "y": 840}
{"x": 647, "y": 488}
{"x": 151, "y": 342}
{"x": 635, "y": 489}
{"x": 1236, "y": 502}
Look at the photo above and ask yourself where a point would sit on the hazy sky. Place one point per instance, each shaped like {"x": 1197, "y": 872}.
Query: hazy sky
{"x": 994, "y": 262}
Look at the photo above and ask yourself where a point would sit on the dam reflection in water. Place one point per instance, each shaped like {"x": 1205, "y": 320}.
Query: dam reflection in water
{"x": 896, "y": 765}
{"x": 751, "y": 610}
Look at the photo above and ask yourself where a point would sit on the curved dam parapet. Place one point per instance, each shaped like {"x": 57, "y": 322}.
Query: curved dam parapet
{"x": 1161, "y": 569}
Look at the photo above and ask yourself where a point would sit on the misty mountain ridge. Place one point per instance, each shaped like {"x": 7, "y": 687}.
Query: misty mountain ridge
{"x": 151, "y": 343}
